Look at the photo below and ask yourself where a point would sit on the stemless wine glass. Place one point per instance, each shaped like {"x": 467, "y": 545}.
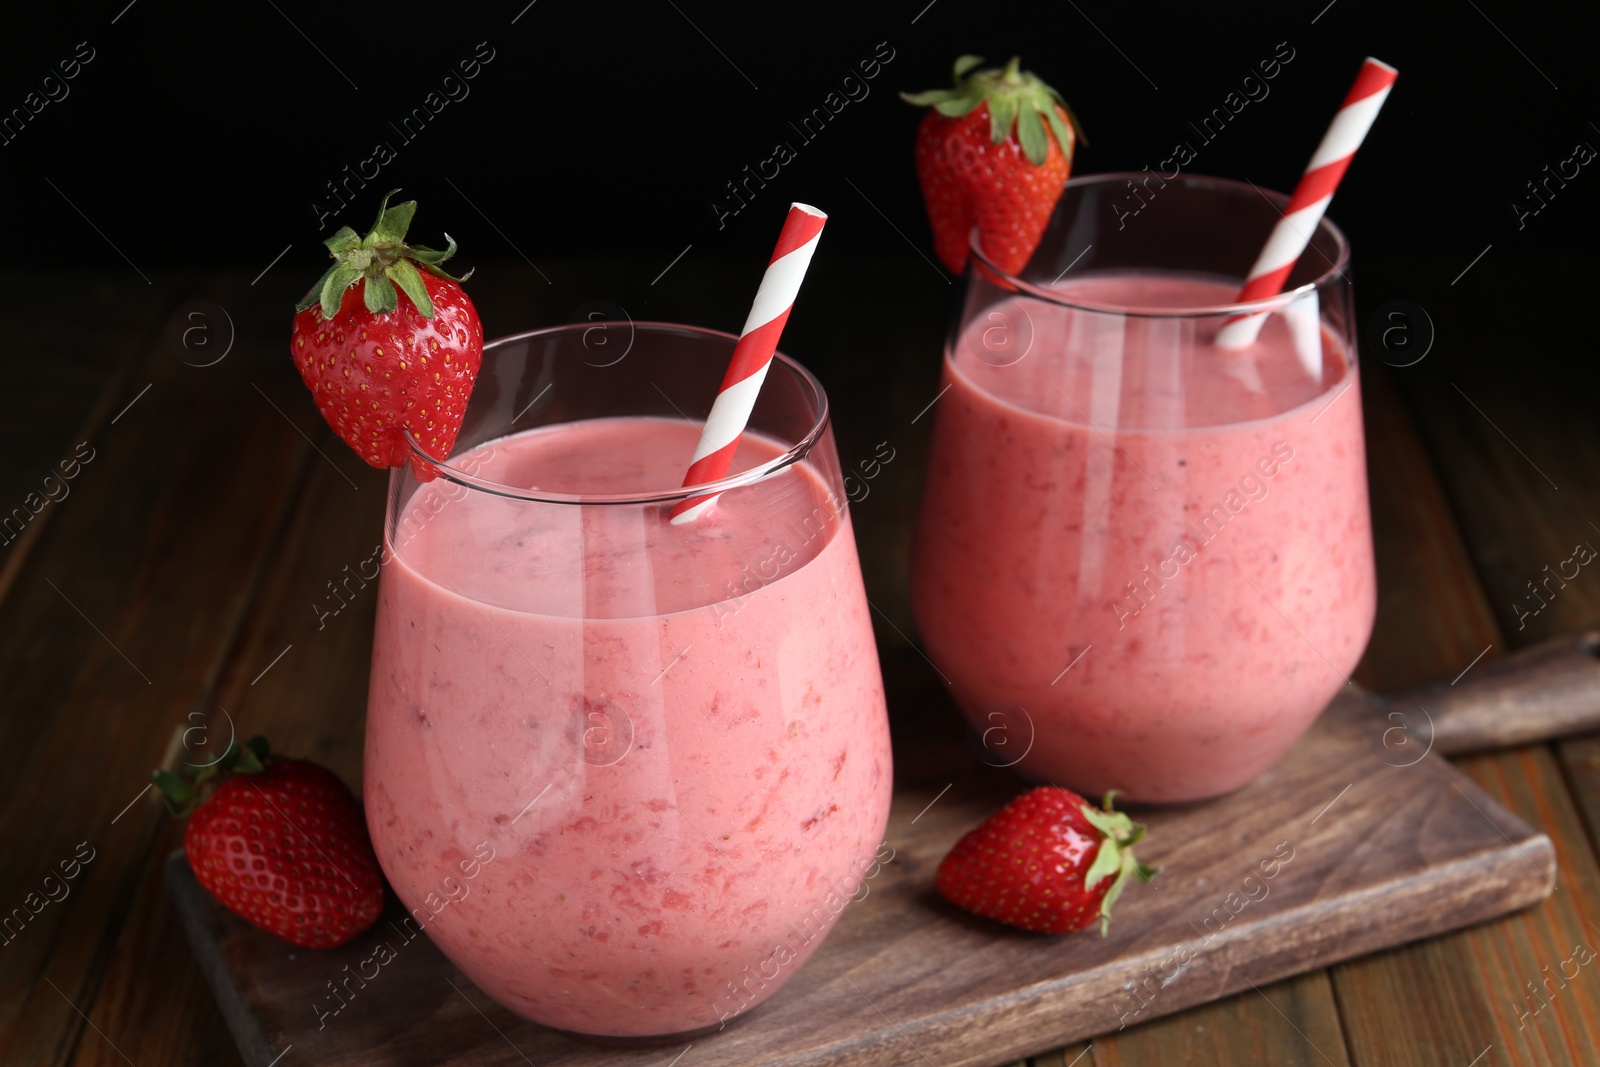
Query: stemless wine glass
{"x": 625, "y": 773}
{"x": 1142, "y": 560}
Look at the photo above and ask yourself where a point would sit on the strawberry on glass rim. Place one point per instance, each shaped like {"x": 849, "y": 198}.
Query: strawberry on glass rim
{"x": 993, "y": 152}
{"x": 389, "y": 343}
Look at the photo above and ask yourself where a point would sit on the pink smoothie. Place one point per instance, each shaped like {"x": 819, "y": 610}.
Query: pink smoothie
{"x": 1159, "y": 573}
{"x": 626, "y": 774}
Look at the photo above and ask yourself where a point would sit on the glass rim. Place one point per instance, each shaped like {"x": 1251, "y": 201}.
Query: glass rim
{"x": 770, "y": 468}
{"x": 1350, "y": 378}
{"x": 980, "y": 260}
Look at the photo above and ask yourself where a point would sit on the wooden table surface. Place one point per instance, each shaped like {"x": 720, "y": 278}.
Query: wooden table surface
{"x": 172, "y": 585}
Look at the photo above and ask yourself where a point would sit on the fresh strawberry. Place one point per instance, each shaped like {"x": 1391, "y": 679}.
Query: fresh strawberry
{"x": 1047, "y": 861}
{"x": 281, "y": 843}
{"x": 993, "y": 152}
{"x": 381, "y": 364}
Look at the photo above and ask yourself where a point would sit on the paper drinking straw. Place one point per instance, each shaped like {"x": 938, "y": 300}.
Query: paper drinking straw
{"x": 751, "y": 356}
{"x": 1293, "y": 232}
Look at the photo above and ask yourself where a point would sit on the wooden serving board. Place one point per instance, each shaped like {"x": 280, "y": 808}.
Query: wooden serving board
{"x": 1360, "y": 839}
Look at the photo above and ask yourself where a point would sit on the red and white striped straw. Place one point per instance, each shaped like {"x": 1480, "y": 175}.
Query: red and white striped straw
{"x": 713, "y": 457}
{"x": 1293, "y": 232}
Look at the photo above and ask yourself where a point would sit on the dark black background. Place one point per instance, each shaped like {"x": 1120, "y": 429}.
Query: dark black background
{"x": 202, "y": 133}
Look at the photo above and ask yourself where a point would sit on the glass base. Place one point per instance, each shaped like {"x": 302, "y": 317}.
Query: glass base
{"x": 1034, "y": 781}
{"x": 654, "y": 1040}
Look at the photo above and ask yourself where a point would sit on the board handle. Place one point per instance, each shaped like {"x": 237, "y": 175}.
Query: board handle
{"x": 1546, "y": 691}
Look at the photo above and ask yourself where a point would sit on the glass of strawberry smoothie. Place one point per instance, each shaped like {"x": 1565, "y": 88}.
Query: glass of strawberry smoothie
{"x": 625, "y": 774}
{"x": 1143, "y": 562}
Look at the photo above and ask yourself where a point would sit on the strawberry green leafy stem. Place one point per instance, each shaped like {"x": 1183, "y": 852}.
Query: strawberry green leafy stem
{"x": 1115, "y": 857}
{"x": 183, "y": 794}
{"x": 1015, "y": 97}
{"x": 384, "y": 260}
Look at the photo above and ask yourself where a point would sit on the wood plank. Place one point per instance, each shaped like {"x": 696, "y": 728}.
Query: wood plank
{"x": 1459, "y": 992}
{"x": 1433, "y": 616}
{"x": 288, "y": 676}
{"x": 131, "y": 1008}
{"x": 1505, "y": 440}
{"x": 1519, "y": 454}
{"x": 1457, "y": 858}
{"x": 1499, "y": 711}
{"x": 1291, "y": 1023}
{"x": 71, "y": 359}
{"x": 76, "y": 380}
{"x": 112, "y": 632}
{"x": 1447, "y": 1001}
{"x": 1070, "y": 1056}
